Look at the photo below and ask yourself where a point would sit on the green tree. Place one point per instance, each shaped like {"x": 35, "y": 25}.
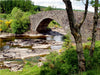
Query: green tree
{"x": 95, "y": 23}
{"x": 75, "y": 30}
{"x": 6, "y": 6}
{"x": 48, "y": 8}
{"x": 20, "y": 22}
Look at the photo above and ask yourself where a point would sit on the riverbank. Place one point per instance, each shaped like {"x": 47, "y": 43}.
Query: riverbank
{"x": 28, "y": 45}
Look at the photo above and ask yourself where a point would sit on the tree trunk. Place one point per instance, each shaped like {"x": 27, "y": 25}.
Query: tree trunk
{"x": 94, "y": 28}
{"x": 80, "y": 54}
{"x": 75, "y": 30}
{"x": 79, "y": 48}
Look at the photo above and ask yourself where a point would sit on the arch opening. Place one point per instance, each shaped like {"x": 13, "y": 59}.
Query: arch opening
{"x": 42, "y": 27}
{"x": 47, "y": 25}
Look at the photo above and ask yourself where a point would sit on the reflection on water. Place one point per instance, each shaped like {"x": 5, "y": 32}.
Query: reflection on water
{"x": 5, "y": 47}
{"x": 56, "y": 47}
{"x": 57, "y": 38}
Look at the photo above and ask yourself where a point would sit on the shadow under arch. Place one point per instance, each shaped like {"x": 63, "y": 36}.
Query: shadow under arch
{"x": 42, "y": 27}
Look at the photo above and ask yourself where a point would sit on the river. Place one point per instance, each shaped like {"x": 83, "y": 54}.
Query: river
{"x": 21, "y": 49}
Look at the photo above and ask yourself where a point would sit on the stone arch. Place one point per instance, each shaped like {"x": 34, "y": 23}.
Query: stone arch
{"x": 42, "y": 26}
{"x": 40, "y": 21}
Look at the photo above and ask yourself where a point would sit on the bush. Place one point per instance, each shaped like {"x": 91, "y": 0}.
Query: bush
{"x": 5, "y": 25}
{"x": 67, "y": 63}
{"x": 17, "y": 13}
{"x": 49, "y": 8}
{"x": 21, "y": 21}
{"x": 89, "y": 39}
{"x": 3, "y": 16}
{"x": 64, "y": 64}
{"x": 6, "y": 6}
{"x": 54, "y": 24}
{"x": 67, "y": 41}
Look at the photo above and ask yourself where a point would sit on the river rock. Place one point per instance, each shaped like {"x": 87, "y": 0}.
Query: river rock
{"x": 18, "y": 53}
{"x": 40, "y": 64}
{"x": 39, "y": 46}
{"x": 16, "y": 68}
{"x": 42, "y": 59}
{"x": 13, "y": 66}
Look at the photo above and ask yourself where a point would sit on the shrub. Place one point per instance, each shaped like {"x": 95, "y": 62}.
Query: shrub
{"x": 53, "y": 24}
{"x": 16, "y": 13}
{"x": 89, "y": 39}
{"x": 3, "y": 16}
{"x": 49, "y": 8}
{"x": 21, "y": 21}
{"x": 63, "y": 64}
{"x": 67, "y": 63}
{"x": 4, "y": 27}
{"x": 67, "y": 41}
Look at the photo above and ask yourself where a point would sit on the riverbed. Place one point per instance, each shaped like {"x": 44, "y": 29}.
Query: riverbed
{"x": 15, "y": 50}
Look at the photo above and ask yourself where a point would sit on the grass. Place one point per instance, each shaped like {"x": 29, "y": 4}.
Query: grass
{"x": 53, "y": 24}
{"x": 92, "y": 72}
{"x": 27, "y": 70}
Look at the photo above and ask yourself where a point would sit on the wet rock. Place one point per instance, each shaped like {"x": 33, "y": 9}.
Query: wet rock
{"x": 40, "y": 64}
{"x": 17, "y": 40}
{"x": 25, "y": 44}
{"x": 39, "y": 46}
{"x": 9, "y": 55}
{"x": 16, "y": 68}
{"x": 2, "y": 58}
{"x": 13, "y": 66}
{"x": 42, "y": 59}
{"x": 17, "y": 53}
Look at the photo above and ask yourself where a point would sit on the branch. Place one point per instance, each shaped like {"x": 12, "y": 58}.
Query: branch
{"x": 83, "y": 2}
{"x": 85, "y": 13}
{"x": 70, "y": 13}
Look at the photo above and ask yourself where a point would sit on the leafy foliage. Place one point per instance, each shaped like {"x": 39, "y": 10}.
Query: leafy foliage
{"x": 67, "y": 41}
{"x": 21, "y": 21}
{"x": 48, "y": 8}
{"x": 67, "y": 63}
{"x": 54, "y": 24}
{"x": 5, "y": 25}
{"x": 28, "y": 70}
{"x": 6, "y": 6}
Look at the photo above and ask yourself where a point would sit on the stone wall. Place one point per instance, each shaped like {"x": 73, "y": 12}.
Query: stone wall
{"x": 40, "y": 21}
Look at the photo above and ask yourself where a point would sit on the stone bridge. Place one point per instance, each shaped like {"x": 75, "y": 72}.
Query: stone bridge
{"x": 40, "y": 21}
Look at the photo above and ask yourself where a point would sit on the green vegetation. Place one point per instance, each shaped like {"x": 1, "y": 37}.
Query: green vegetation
{"x": 89, "y": 39}
{"x": 14, "y": 15}
{"x": 43, "y": 8}
{"x": 20, "y": 22}
{"x": 53, "y": 24}
{"x": 66, "y": 63}
{"x": 16, "y": 22}
{"x": 6, "y": 6}
{"x": 14, "y": 18}
{"x": 63, "y": 63}
{"x": 49, "y": 8}
{"x": 28, "y": 70}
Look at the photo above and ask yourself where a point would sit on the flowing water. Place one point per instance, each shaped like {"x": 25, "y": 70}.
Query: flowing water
{"x": 5, "y": 46}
